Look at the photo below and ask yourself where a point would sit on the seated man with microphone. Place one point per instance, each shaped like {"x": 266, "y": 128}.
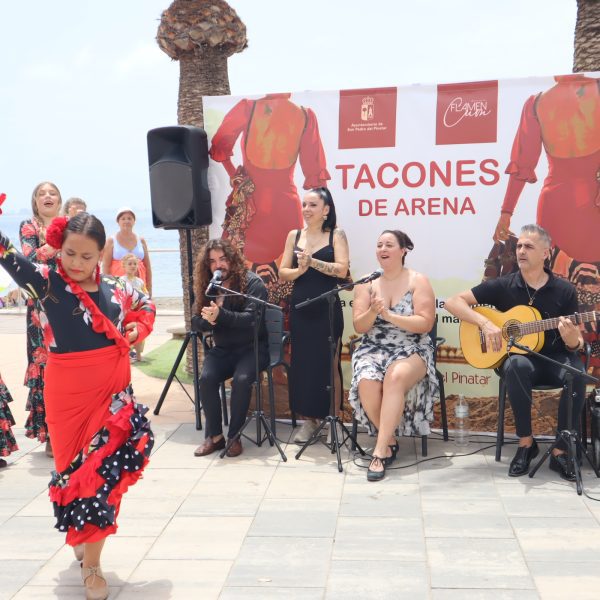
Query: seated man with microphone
{"x": 231, "y": 321}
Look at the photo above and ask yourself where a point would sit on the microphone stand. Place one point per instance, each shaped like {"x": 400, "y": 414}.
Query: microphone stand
{"x": 332, "y": 419}
{"x": 569, "y": 435}
{"x": 258, "y": 414}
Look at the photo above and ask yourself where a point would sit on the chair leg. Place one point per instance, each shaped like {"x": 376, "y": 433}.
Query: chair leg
{"x": 443, "y": 411}
{"x": 354, "y": 432}
{"x": 424, "y": 445}
{"x": 501, "y": 408}
{"x": 271, "y": 398}
{"x": 224, "y": 404}
{"x": 583, "y": 424}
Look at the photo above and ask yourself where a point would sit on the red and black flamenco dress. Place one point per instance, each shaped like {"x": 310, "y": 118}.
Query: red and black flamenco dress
{"x": 100, "y": 435}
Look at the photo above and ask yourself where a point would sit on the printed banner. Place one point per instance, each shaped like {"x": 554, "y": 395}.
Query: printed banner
{"x": 440, "y": 162}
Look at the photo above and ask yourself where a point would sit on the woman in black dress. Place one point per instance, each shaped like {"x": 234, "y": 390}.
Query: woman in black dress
{"x": 314, "y": 259}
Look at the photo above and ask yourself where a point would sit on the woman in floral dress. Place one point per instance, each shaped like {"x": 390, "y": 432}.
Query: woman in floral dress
{"x": 45, "y": 204}
{"x": 8, "y": 443}
{"x": 394, "y": 384}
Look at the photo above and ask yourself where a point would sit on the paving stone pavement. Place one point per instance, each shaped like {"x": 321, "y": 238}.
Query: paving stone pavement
{"x": 255, "y": 527}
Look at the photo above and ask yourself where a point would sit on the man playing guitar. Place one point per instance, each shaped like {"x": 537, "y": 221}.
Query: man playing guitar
{"x": 536, "y": 286}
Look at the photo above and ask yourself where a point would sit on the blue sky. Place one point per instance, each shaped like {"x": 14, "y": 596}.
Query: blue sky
{"x": 83, "y": 81}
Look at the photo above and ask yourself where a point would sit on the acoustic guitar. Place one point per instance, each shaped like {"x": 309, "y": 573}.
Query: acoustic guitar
{"x": 523, "y": 323}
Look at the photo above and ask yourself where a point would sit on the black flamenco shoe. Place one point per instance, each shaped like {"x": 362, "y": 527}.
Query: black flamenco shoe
{"x": 376, "y": 475}
{"x": 390, "y": 459}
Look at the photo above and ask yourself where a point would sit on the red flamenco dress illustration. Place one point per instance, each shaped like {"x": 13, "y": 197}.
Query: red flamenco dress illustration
{"x": 565, "y": 121}
{"x": 264, "y": 204}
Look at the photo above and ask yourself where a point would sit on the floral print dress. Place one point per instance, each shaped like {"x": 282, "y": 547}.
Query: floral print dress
{"x": 380, "y": 347}
{"x": 33, "y": 240}
{"x": 8, "y": 443}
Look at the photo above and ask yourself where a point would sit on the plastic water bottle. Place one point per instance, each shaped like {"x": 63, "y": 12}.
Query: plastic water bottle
{"x": 461, "y": 426}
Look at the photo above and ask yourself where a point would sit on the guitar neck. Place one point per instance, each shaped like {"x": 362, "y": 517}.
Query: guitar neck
{"x": 546, "y": 324}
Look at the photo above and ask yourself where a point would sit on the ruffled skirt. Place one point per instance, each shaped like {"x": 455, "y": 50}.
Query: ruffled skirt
{"x": 8, "y": 443}
{"x": 35, "y": 426}
{"x": 101, "y": 440}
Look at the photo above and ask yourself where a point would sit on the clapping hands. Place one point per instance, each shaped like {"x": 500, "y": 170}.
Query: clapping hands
{"x": 377, "y": 305}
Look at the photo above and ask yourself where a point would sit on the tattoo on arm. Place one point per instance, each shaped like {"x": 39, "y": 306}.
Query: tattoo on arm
{"x": 341, "y": 234}
{"x": 324, "y": 267}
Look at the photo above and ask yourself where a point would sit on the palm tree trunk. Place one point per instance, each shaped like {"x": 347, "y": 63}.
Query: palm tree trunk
{"x": 587, "y": 36}
{"x": 203, "y": 72}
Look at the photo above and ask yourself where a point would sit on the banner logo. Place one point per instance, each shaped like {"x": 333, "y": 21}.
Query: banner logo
{"x": 367, "y": 109}
{"x": 467, "y": 113}
{"x": 367, "y": 118}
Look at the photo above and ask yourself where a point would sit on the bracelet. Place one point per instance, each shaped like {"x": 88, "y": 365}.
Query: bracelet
{"x": 576, "y": 348}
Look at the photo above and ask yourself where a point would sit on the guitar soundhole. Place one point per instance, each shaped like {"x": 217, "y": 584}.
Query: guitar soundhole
{"x": 511, "y": 329}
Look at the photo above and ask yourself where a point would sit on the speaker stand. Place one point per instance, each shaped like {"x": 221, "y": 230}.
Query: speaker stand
{"x": 189, "y": 336}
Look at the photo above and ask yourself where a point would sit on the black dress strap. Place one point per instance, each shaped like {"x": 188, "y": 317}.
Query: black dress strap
{"x": 331, "y": 238}
{"x": 298, "y": 232}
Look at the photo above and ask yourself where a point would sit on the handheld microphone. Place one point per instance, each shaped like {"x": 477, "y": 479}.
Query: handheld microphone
{"x": 216, "y": 279}
{"x": 376, "y": 274}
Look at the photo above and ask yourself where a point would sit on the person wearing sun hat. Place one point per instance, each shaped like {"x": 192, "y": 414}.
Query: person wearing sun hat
{"x": 125, "y": 241}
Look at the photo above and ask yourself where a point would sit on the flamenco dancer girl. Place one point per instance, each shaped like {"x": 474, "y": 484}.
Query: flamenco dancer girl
{"x": 100, "y": 436}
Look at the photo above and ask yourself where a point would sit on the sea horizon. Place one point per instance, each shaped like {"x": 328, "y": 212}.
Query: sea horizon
{"x": 163, "y": 246}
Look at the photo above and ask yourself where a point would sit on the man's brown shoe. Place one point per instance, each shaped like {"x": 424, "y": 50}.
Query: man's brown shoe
{"x": 208, "y": 447}
{"x": 235, "y": 449}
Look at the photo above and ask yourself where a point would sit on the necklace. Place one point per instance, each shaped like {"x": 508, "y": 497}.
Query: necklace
{"x": 535, "y": 290}
{"x": 531, "y": 298}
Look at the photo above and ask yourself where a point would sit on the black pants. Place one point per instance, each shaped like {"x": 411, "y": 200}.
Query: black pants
{"x": 522, "y": 372}
{"x": 221, "y": 364}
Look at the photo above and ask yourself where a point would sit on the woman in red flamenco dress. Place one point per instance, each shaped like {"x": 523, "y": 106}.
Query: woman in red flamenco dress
{"x": 565, "y": 122}
{"x": 264, "y": 204}
{"x": 101, "y": 437}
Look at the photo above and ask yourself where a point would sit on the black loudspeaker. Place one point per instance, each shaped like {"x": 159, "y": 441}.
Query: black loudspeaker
{"x": 178, "y": 160}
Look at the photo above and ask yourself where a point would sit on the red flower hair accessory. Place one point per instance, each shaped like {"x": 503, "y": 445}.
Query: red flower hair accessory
{"x": 2, "y": 199}
{"x": 55, "y": 234}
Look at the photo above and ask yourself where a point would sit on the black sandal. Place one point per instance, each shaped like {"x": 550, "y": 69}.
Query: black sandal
{"x": 376, "y": 475}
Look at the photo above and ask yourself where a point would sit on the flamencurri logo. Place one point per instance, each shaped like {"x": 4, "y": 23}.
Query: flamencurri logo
{"x": 467, "y": 113}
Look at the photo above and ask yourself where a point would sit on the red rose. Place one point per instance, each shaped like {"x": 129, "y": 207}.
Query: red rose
{"x": 35, "y": 319}
{"x": 33, "y": 372}
{"x": 26, "y": 248}
{"x": 28, "y": 230}
{"x": 55, "y": 233}
{"x": 40, "y": 356}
